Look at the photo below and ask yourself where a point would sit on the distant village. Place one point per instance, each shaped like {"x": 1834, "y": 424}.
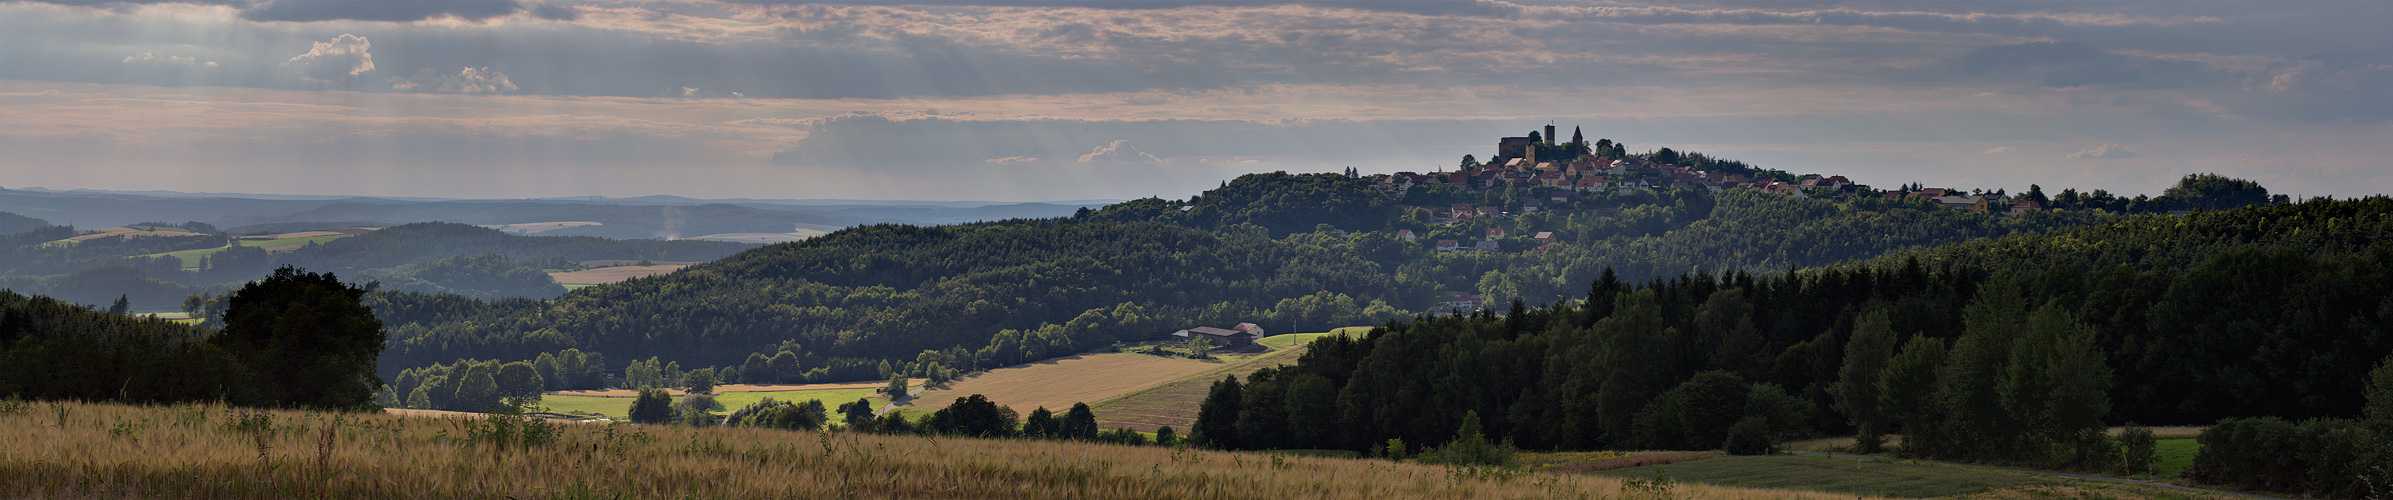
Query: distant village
{"x": 1585, "y": 170}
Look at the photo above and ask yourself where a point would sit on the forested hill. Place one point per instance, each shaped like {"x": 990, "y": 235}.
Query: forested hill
{"x": 1995, "y": 350}
{"x": 423, "y": 242}
{"x": 11, "y": 223}
{"x": 890, "y": 292}
{"x": 863, "y": 301}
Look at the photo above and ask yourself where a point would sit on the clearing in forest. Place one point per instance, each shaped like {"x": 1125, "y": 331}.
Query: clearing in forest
{"x": 1060, "y": 382}
{"x": 607, "y": 275}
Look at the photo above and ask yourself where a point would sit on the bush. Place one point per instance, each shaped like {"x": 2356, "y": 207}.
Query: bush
{"x": 1166, "y": 437}
{"x": 2325, "y": 457}
{"x": 697, "y": 410}
{"x": 1750, "y": 436}
{"x": 653, "y": 406}
{"x": 1469, "y": 447}
{"x": 2140, "y": 453}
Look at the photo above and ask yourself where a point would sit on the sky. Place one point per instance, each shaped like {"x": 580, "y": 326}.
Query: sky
{"x": 1026, "y": 100}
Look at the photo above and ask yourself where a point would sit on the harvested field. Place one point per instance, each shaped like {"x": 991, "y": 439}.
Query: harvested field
{"x": 1175, "y": 403}
{"x": 1058, "y": 383}
{"x": 625, "y": 393}
{"x": 134, "y": 233}
{"x": 759, "y": 238}
{"x": 615, "y": 274}
{"x": 538, "y": 227}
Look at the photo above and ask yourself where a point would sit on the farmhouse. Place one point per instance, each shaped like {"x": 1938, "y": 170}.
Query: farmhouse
{"x": 1244, "y": 334}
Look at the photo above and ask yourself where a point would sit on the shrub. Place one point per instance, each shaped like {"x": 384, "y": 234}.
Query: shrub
{"x": 1750, "y": 436}
{"x": 1469, "y": 447}
{"x": 2327, "y": 457}
{"x": 653, "y": 406}
{"x": 2139, "y": 452}
{"x": 1165, "y": 436}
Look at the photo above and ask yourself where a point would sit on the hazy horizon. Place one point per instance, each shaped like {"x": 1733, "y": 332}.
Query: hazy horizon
{"x": 1075, "y": 100}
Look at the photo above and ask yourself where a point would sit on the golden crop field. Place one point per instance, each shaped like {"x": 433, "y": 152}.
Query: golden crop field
{"x": 1175, "y": 403}
{"x": 1060, "y": 382}
{"x": 78, "y": 450}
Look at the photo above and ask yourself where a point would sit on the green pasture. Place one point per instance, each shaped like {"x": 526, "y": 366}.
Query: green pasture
{"x": 2175, "y": 456}
{"x": 1882, "y": 477}
{"x": 191, "y": 257}
{"x": 1287, "y": 340}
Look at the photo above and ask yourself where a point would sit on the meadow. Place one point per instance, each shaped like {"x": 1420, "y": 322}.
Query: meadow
{"x": 80, "y": 450}
{"x": 1174, "y": 403}
{"x": 270, "y": 243}
{"x": 1059, "y": 383}
{"x": 1287, "y": 340}
{"x": 1890, "y": 478}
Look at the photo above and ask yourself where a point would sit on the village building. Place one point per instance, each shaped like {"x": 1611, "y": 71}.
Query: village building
{"x": 1245, "y": 334}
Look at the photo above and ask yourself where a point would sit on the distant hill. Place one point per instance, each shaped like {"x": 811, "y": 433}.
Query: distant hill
{"x": 12, "y": 223}
{"x": 616, "y": 221}
{"x": 424, "y": 242}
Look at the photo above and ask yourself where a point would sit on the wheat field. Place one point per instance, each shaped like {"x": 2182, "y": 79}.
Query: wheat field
{"x": 77, "y": 450}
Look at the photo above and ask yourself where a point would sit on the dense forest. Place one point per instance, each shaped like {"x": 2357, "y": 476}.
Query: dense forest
{"x": 863, "y": 303}
{"x": 2007, "y": 349}
{"x": 292, "y": 339}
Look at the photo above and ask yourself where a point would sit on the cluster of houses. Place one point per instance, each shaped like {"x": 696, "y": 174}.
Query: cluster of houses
{"x": 1600, "y": 175}
{"x": 1955, "y": 199}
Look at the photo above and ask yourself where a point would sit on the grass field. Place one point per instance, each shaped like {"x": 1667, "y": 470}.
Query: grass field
{"x": 1889, "y": 478}
{"x": 270, "y": 243}
{"x": 2175, "y": 456}
{"x": 1058, "y": 383}
{"x": 614, "y": 407}
{"x": 78, "y": 450}
{"x": 1287, "y": 340}
{"x": 1174, "y": 402}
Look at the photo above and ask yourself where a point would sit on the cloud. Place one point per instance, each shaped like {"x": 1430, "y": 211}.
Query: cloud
{"x": 332, "y": 61}
{"x": 151, "y": 58}
{"x": 1119, "y": 150}
{"x": 378, "y": 10}
{"x": 1999, "y": 150}
{"x": 468, "y": 80}
{"x": 1012, "y": 159}
{"x": 2107, "y": 151}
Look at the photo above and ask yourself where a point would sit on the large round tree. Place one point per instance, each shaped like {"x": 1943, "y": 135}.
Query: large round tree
{"x": 306, "y": 339}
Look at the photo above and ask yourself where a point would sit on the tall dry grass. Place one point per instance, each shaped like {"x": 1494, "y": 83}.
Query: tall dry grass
{"x": 74, "y": 450}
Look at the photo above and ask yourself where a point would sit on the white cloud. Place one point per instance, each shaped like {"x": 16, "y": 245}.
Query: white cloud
{"x": 2106, "y": 151}
{"x": 469, "y": 80}
{"x": 1999, "y": 150}
{"x": 1119, "y": 150}
{"x": 152, "y": 58}
{"x": 332, "y": 61}
{"x": 1011, "y": 159}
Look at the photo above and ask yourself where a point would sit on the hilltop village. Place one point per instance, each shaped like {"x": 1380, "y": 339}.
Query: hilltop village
{"x": 1554, "y": 176}
{"x": 1570, "y": 170}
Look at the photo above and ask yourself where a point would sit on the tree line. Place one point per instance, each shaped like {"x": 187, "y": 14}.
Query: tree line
{"x": 2007, "y": 350}
{"x": 293, "y": 339}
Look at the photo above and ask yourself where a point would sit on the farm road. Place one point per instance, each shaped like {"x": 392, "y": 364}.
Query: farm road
{"x": 2086, "y": 477}
{"x": 892, "y": 406}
